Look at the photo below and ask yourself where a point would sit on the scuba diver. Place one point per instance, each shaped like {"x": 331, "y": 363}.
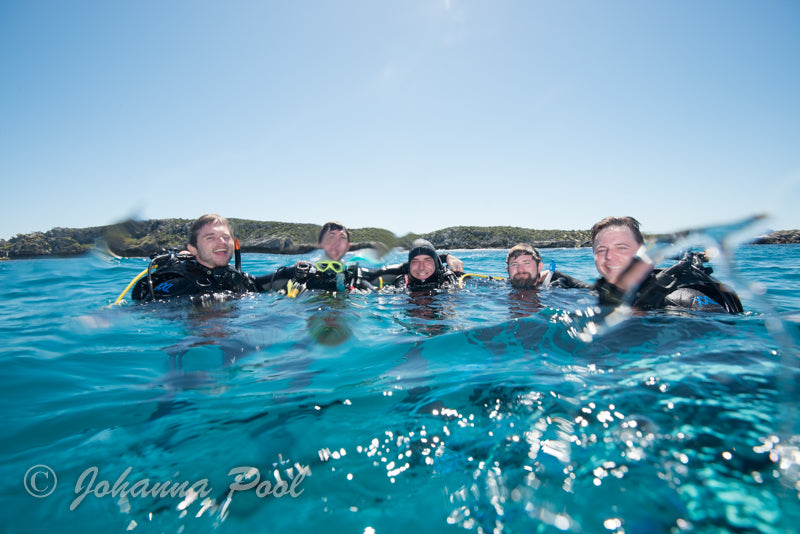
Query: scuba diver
{"x": 325, "y": 275}
{"x": 685, "y": 285}
{"x": 524, "y": 267}
{"x": 334, "y": 240}
{"x": 424, "y": 270}
{"x": 203, "y": 268}
{"x": 526, "y": 276}
{"x": 328, "y": 273}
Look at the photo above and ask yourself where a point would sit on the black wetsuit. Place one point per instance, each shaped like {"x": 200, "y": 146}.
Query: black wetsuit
{"x": 307, "y": 276}
{"x": 181, "y": 276}
{"x": 557, "y": 279}
{"x": 686, "y": 285}
{"x": 562, "y": 280}
{"x": 398, "y": 275}
{"x": 441, "y": 278}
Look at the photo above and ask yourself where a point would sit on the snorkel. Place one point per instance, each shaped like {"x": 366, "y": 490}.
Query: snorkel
{"x": 237, "y": 254}
{"x": 549, "y": 277}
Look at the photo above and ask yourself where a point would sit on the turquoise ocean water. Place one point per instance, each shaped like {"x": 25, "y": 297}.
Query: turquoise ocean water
{"x": 477, "y": 410}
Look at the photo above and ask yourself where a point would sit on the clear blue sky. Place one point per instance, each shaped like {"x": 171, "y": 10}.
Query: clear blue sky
{"x": 412, "y": 116}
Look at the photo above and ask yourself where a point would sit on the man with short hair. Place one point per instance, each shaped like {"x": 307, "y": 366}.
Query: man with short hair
{"x": 204, "y": 269}
{"x": 211, "y": 241}
{"x": 524, "y": 267}
{"x": 615, "y": 241}
{"x": 334, "y": 240}
{"x": 624, "y": 268}
{"x": 328, "y": 273}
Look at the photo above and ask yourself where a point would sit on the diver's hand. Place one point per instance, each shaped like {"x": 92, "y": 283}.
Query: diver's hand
{"x": 454, "y": 263}
{"x": 640, "y": 267}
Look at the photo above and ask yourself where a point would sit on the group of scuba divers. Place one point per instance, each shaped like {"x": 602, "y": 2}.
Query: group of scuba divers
{"x": 204, "y": 268}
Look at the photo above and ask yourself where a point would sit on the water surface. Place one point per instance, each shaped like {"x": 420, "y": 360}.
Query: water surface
{"x": 479, "y": 409}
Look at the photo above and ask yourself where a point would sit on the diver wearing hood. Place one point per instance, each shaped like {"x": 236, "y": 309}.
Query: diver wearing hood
{"x": 424, "y": 269}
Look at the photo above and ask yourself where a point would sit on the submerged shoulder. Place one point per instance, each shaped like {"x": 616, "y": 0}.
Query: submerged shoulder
{"x": 693, "y": 299}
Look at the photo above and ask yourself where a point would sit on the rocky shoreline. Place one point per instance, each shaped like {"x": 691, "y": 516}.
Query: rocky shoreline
{"x": 142, "y": 238}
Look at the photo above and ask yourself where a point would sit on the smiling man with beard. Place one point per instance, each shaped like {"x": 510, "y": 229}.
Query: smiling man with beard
{"x": 524, "y": 267}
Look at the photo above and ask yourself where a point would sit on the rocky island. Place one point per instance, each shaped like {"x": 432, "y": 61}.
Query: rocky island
{"x": 142, "y": 238}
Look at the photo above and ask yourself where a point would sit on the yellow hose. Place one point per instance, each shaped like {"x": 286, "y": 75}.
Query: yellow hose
{"x": 129, "y": 286}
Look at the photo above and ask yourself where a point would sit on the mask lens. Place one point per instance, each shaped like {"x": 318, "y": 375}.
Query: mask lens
{"x": 334, "y": 266}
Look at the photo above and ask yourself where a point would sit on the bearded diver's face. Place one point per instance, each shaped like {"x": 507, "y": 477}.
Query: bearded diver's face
{"x": 523, "y": 271}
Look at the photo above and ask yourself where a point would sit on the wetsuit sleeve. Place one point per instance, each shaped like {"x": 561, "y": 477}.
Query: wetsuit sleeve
{"x": 607, "y": 293}
{"x": 566, "y": 281}
{"x": 385, "y": 275}
{"x": 359, "y": 278}
{"x": 275, "y": 281}
{"x": 399, "y": 268}
{"x": 258, "y": 284}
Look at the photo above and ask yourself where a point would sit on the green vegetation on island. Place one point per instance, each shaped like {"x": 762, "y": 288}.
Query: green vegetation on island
{"x": 142, "y": 238}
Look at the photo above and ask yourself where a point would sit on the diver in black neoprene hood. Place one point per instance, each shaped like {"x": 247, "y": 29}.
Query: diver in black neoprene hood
{"x": 424, "y": 269}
